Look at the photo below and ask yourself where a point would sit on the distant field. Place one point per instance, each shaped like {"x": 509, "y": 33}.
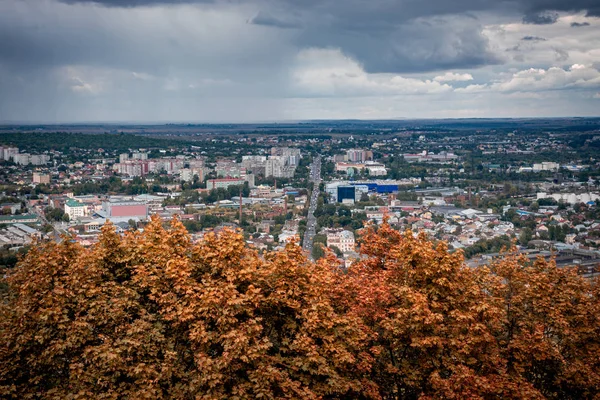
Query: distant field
{"x": 339, "y": 127}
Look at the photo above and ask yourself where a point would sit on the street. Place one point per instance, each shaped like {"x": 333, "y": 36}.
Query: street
{"x": 311, "y": 221}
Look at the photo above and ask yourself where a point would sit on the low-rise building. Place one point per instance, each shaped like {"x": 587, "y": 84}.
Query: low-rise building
{"x": 343, "y": 240}
{"x": 74, "y": 209}
{"x": 41, "y": 178}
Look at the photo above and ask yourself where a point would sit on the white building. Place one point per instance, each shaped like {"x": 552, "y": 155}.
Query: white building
{"x": 74, "y": 209}
{"x": 376, "y": 169}
{"x": 140, "y": 155}
{"x": 546, "y": 166}
{"x": 22, "y": 158}
{"x": 343, "y": 240}
{"x": 39, "y": 159}
{"x": 187, "y": 174}
{"x": 7, "y": 153}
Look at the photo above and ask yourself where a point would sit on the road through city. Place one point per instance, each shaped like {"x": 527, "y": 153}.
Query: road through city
{"x": 311, "y": 221}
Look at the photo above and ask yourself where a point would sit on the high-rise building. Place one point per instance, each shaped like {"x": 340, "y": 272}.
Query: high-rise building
{"x": 359, "y": 155}
{"x": 39, "y": 159}
{"x": 22, "y": 158}
{"x": 7, "y": 153}
{"x": 140, "y": 155}
{"x": 186, "y": 175}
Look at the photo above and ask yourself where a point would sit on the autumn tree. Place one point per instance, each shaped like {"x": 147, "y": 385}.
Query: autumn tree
{"x": 150, "y": 315}
{"x": 432, "y": 326}
{"x": 550, "y": 326}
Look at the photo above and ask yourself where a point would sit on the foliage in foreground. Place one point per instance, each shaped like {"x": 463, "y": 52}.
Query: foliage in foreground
{"x": 150, "y": 315}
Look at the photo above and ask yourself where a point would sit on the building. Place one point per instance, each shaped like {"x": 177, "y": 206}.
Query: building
{"x": 39, "y": 159}
{"x": 255, "y": 164}
{"x": 124, "y": 209}
{"x": 74, "y": 209}
{"x": 229, "y": 169}
{"x": 22, "y": 158}
{"x": 342, "y": 191}
{"x": 140, "y": 155}
{"x": 424, "y": 156}
{"x": 343, "y": 240}
{"x": 196, "y": 163}
{"x": 168, "y": 165}
{"x": 16, "y": 219}
{"x": 7, "y": 153}
{"x": 546, "y": 166}
{"x": 41, "y": 178}
{"x": 10, "y": 207}
{"x": 223, "y": 183}
{"x": 186, "y": 175}
{"x": 132, "y": 167}
{"x": 283, "y": 162}
{"x": 376, "y": 169}
{"x": 358, "y": 155}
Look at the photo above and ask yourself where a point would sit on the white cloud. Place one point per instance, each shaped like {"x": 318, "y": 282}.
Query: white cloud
{"x": 451, "y": 76}
{"x": 577, "y": 76}
{"x": 538, "y": 79}
{"x": 80, "y": 80}
{"x": 328, "y": 72}
{"x": 476, "y": 88}
{"x": 143, "y": 76}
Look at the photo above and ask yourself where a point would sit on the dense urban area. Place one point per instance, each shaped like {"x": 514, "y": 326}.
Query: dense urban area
{"x": 479, "y": 185}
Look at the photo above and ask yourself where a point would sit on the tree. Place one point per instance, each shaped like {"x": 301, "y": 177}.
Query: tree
{"x": 318, "y": 251}
{"x": 337, "y": 251}
{"x": 549, "y": 321}
{"x": 430, "y": 322}
{"x": 152, "y": 316}
{"x": 525, "y": 236}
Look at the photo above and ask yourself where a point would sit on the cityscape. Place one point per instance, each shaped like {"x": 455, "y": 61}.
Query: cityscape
{"x": 312, "y": 200}
{"x": 478, "y": 189}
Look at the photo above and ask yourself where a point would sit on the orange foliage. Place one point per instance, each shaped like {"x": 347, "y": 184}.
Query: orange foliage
{"x": 150, "y": 315}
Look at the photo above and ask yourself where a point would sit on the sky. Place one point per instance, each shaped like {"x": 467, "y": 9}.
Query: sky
{"x": 280, "y": 60}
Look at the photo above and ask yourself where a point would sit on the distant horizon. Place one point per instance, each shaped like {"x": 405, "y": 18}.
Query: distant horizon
{"x": 250, "y": 122}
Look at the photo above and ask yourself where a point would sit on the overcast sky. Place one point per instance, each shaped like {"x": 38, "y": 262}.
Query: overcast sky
{"x": 267, "y": 60}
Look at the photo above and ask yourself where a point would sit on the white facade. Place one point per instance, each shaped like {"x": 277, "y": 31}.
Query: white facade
{"x": 140, "y": 155}
{"x": 7, "y": 153}
{"x": 343, "y": 240}
{"x": 546, "y": 166}
{"x": 22, "y": 158}
{"x": 39, "y": 159}
{"x": 74, "y": 209}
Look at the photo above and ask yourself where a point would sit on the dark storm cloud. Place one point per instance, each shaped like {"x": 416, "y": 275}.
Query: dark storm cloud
{"x": 415, "y": 46}
{"x": 579, "y": 24}
{"x": 135, "y": 3}
{"x": 383, "y": 35}
{"x": 533, "y": 39}
{"x": 411, "y": 36}
{"x": 541, "y": 18}
{"x": 591, "y": 7}
{"x": 266, "y": 19}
